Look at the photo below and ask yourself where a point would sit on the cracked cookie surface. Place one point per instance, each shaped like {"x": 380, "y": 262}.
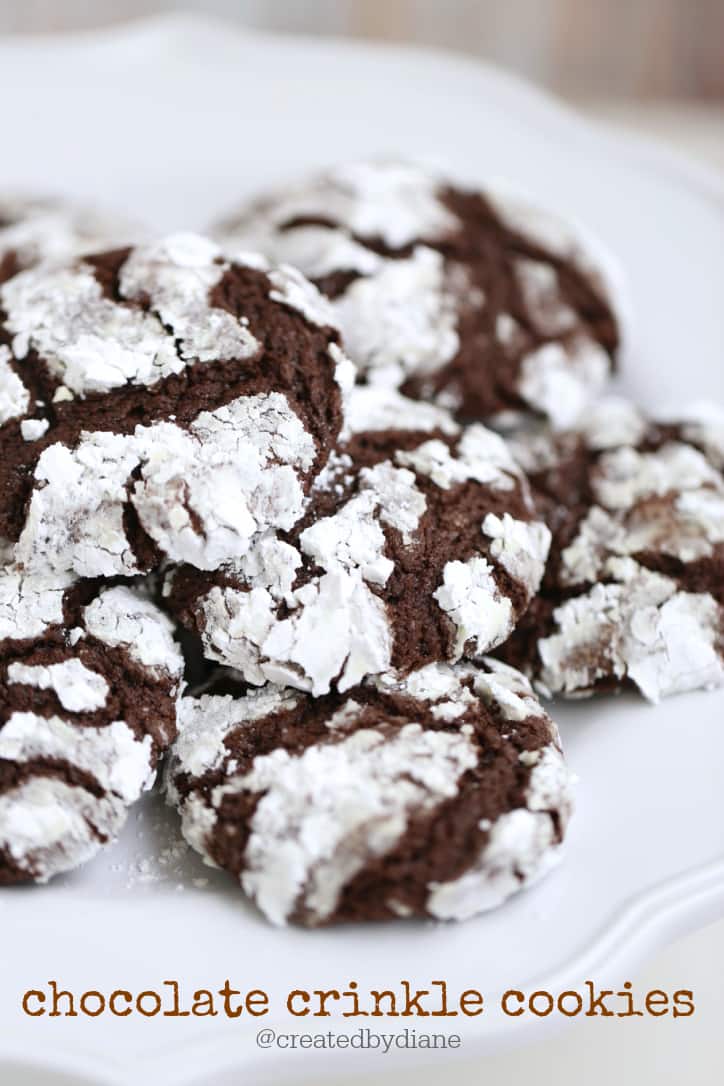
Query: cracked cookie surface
{"x": 89, "y": 679}
{"x": 634, "y": 590}
{"x": 476, "y": 300}
{"x": 34, "y": 230}
{"x": 419, "y": 543}
{"x": 438, "y": 795}
{"x": 160, "y": 402}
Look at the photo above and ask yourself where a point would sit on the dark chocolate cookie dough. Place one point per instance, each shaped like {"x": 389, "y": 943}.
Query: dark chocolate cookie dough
{"x": 437, "y": 795}
{"x": 89, "y": 679}
{"x": 471, "y": 298}
{"x": 420, "y": 543}
{"x": 634, "y": 590}
{"x": 160, "y": 401}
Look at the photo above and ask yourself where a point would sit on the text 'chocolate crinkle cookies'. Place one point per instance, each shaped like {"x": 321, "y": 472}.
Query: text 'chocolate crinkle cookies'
{"x": 420, "y": 543}
{"x": 89, "y": 679}
{"x": 35, "y": 230}
{"x": 472, "y": 299}
{"x": 437, "y": 795}
{"x": 634, "y": 590}
{"x": 161, "y": 401}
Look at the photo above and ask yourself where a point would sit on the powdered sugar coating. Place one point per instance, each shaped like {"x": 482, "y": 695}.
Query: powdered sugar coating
{"x": 395, "y": 202}
{"x": 176, "y": 276}
{"x": 521, "y": 849}
{"x": 91, "y": 345}
{"x": 33, "y": 429}
{"x": 638, "y": 626}
{"x": 635, "y": 592}
{"x": 75, "y": 519}
{"x": 369, "y": 409}
{"x": 14, "y": 396}
{"x": 385, "y": 239}
{"x": 30, "y": 605}
{"x": 481, "y": 455}
{"x": 313, "y": 804}
{"x": 568, "y": 239}
{"x": 470, "y": 597}
{"x": 291, "y": 288}
{"x": 520, "y": 546}
{"x": 48, "y": 826}
{"x": 121, "y": 618}
{"x": 614, "y": 421}
{"x": 88, "y": 703}
{"x": 560, "y": 381}
{"x": 325, "y": 812}
{"x": 170, "y": 317}
{"x": 201, "y": 494}
{"x": 322, "y": 608}
{"x": 36, "y": 230}
{"x": 401, "y": 320}
{"x": 205, "y": 722}
{"x": 77, "y": 687}
{"x": 337, "y": 627}
{"x": 118, "y": 762}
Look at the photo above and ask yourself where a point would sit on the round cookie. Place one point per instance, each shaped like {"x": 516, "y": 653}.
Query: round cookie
{"x": 161, "y": 401}
{"x": 438, "y": 795}
{"x": 633, "y": 595}
{"x": 89, "y": 679}
{"x": 420, "y": 543}
{"x": 473, "y": 299}
{"x": 35, "y": 230}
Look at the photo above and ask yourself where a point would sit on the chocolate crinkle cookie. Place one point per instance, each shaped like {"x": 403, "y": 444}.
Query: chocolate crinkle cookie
{"x": 437, "y": 795}
{"x": 634, "y": 590}
{"x": 35, "y": 230}
{"x": 89, "y": 679}
{"x": 160, "y": 401}
{"x": 420, "y": 543}
{"x": 473, "y": 299}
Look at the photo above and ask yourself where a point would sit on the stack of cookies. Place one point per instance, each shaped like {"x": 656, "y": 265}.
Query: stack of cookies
{"x": 311, "y": 509}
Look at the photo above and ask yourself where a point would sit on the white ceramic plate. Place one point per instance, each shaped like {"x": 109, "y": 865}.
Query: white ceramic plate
{"x": 173, "y": 120}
